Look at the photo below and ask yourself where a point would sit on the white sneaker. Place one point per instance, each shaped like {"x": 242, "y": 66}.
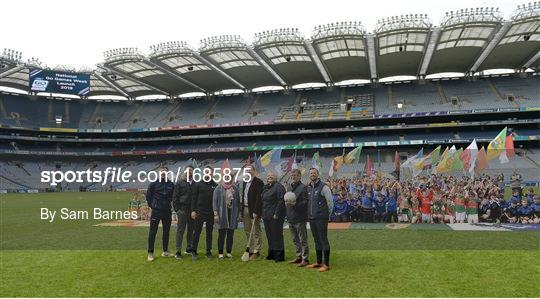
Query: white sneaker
{"x": 165, "y": 254}
{"x": 150, "y": 257}
{"x": 229, "y": 256}
{"x": 220, "y": 256}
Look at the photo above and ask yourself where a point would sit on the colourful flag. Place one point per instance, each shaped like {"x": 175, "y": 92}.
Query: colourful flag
{"x": 266, "y": 158}
{"x": 336, "y": 165}
{"x": 353, "y": 156}
{"x": 294, "y": 165}
{"x": 444, "y": 154}
{"x": 272, "y": 156}
{"x": 316, "y": 161}
{"x": 368, "y": 167}
{"x": 397, "y": 162}
{"x": 276, "y": 156}
{"x": 440, "y": 159}
{"x": 290, "y": 162}
{"x": 457, "y": 163}
{"x": 435, "y": 155}
{"x": 469, "y": 157}
{"x": 427, "y": 160}
{"x": 497, "y": 145}
{"x": 412, "y": 160}
{"x": 481, "y": 160}
{"x": 303, "y": 164}
{"x": 258, "y": 166}
{"x": 510, "y": 152}
{"x": 447, "y": 163}
{"x": 283, "y": 167}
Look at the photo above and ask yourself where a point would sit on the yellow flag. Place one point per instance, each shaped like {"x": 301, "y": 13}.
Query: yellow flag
{"x": 497, "y": 146}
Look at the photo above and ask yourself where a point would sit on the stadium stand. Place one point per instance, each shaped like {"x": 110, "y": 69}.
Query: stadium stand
{"x": 340, "y": 86}
{"x": 320, "y": 104}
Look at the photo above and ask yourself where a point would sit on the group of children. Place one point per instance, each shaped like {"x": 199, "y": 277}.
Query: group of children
{"x": 433, "y": 199}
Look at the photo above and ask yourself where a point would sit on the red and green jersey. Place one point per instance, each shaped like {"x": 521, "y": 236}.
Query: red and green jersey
{"x": 438, "y": 207}
{"x": 459, "y": 204}
{"x": 450, "y": 209}
{"x": 472, "y": 206}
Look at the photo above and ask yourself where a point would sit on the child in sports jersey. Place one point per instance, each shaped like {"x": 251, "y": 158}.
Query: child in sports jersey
{"x": 449, "y": 211}
{"x": 536, "y": 209}
{"x": 530, "y": 196}
{"x": 405, "y": 207}
{"x": 525, "y": 212}
{"x": 510, "y": 214}
{"x": 391, "y": 205}
{"x": 415, "y": 208}
{"x": 425, "y": 197}
{"x": 437, "y": 208}
{"x": 459, "y": 205}
{"x": 380, "y": 208}
{"x": 471, "y": 206}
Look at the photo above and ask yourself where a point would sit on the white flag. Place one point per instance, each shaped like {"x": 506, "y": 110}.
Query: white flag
{"x": 473, "y": 149}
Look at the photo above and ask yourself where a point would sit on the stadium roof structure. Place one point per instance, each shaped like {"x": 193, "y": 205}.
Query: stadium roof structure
{"x": 465, "y": 41}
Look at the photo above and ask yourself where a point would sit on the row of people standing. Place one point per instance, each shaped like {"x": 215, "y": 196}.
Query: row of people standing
{"x": 223, "y": 205}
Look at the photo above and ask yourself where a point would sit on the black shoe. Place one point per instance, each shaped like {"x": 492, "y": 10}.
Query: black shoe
{"x": 270, "y": 255}
{"x": 178, "y": 255}
{"x": 279, "y": 255}
{"x": 209, "y": 255}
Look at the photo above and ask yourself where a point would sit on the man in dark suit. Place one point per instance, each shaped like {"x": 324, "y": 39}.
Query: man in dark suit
{"x": 251, "y": 207}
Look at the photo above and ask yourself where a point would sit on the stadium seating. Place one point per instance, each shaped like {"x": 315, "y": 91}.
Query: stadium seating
{"x": 323, "y": 103}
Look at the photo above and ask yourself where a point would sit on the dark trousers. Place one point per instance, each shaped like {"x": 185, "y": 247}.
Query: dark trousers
{"x": 274, "y": 233}
{"x": 201, "y": 219}
{"x": 366, "y": 214}
{"x": 319, "y": 229}
{"x": 225, "y": 233}
{"x": 379, "y": 217}
{"x": 391, "y": 217}
{"x": 342, "y": 218}
{"x": 155, "y": 218}
{"x": 184, "y": 220}
{"x": 355, "y": 214}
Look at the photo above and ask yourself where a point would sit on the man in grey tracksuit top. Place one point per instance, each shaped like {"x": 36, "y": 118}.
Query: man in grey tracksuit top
{"x": 320, "y": 205}
{"x": 297, "y": 218}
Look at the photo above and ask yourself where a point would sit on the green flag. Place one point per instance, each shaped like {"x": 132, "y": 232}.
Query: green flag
{"x": 435, "y": 155}
{"x": 457, "y": 163}
{"x": 353, "y": 156}
{"x": 316, "y": 161}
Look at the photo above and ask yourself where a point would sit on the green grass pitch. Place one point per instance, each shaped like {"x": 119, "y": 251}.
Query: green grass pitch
{"x": 75, "y": 258}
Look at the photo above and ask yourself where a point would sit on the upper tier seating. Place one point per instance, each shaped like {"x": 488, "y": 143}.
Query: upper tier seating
{"x": 322, "y": 103}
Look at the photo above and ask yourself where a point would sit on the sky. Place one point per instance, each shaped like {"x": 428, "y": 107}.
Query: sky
{"x": 76, "y": 33}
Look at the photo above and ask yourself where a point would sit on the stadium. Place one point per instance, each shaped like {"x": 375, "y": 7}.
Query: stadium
{"x": 408, "y": 98}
